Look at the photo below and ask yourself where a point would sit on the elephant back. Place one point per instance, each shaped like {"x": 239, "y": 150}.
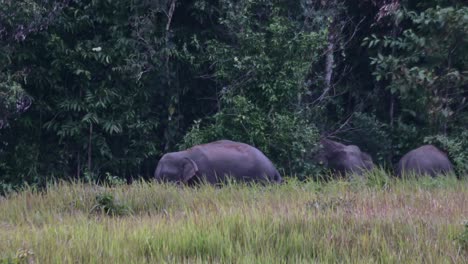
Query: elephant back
{"x": 225, "y": 157}
{"x": 426, "y": 159}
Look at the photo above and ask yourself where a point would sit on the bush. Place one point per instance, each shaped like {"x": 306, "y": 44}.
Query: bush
{"x": 462, "y": 239}
{"x": 285, "y": 138}
{"x": 456, "y": 148}
{"x": 371, "y": 135}
{"x": 106, "y": 203}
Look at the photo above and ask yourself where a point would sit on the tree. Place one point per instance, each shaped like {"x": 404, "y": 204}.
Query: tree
{"x": 425, "y": 67}
{"x": 260, "y": 65}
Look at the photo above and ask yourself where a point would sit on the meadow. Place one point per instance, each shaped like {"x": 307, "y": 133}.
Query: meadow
{"x": 377, "y": 220}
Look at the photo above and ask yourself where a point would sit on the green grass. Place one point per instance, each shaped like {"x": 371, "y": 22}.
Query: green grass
{"x": 378, "y": 220}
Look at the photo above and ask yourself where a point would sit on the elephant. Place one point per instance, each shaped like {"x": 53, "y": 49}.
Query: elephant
{"x": 344, "y": 159}
{"x": 426, "y": 159}
{"x": 215, "y": 162}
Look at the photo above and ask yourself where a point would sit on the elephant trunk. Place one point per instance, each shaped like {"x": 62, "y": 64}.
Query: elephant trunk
{"x": 157, "y": 172}
{"x": 277, "y": 177}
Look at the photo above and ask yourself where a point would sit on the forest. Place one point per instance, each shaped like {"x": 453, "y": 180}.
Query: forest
{"x": 98, "y": 89}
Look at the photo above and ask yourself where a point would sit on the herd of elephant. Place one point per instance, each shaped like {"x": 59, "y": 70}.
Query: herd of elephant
{"x": 217, "y": 161}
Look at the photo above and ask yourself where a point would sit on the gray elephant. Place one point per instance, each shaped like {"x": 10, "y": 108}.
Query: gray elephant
{"x": 426, "y": 159}
{"x": 215, "y": 162}
{"x": 344, "y": 159}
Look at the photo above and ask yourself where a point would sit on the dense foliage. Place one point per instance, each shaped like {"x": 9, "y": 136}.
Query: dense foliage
{"x": 100, "y": 88}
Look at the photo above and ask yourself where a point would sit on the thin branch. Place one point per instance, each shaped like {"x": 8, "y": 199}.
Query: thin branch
{"x": 170, "y": 14}
{"x": 340, "y": 129}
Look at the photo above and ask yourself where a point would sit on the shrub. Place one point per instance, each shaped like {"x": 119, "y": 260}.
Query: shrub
{"x": 371, "y": 135}
{"x": 462, "y": 239}
{"x": 456, "y": 148}
{"x": 106, "y": 203}
{"x": 285, "y": 138}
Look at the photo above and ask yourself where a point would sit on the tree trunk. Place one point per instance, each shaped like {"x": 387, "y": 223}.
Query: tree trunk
{"x": 392, "y": 100}
{"x": 392, "y": 118}
{"x": 78, "y": 166}
{"x": 170, "y": 14}
{"x": 330, "y": 56}
{"x": 90, "y": 147}
{"x": 168, "y": 27}
{"x": 330, "y": 59}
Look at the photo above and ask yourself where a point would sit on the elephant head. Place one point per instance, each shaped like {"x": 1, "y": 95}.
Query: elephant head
{"x": 426, "y": 159}
{"x": 174, "y": 167}
{"x": 344, "y": 159}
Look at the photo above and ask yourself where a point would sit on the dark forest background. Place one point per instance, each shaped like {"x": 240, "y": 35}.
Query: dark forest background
{"x": 91, "y": 89}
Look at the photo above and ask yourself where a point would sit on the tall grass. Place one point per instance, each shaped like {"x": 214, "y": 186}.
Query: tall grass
{"x": 377, "y": 220}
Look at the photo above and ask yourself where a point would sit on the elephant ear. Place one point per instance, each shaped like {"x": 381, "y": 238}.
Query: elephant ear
{"x": 189, "y": 170}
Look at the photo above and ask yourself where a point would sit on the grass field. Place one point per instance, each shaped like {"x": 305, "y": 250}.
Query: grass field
{"x": 372, "y": 221}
